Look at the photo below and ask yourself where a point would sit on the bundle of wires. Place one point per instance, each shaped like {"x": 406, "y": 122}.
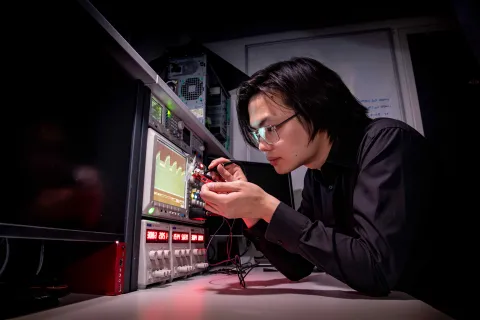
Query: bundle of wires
{"x": 241, "y": 270}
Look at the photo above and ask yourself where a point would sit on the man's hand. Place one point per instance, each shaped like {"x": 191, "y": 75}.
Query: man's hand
{"x": 230, "y": 173}
{"x": 239, "y": 199}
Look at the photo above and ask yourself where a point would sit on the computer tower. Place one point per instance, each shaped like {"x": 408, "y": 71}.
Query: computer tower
{"x": 198, "y": 86}
{"x": 189, "y": 76}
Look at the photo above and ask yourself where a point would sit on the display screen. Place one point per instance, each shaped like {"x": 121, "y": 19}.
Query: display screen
{"x": 156, "y": 110}
{"x": 180, "y": 237}
{"x": 158, "y": 236}
{"x": 169, "y": 183}
{"x": 197, "y": 237}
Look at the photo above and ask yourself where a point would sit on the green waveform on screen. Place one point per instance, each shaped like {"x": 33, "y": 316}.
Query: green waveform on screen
{"x": 169, "y": 177}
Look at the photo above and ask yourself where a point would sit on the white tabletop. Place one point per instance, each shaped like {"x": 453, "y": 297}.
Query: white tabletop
{"x": 268, "y": 295}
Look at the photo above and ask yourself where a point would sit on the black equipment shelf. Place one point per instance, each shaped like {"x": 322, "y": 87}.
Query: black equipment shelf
{"x": 34, "y": 232}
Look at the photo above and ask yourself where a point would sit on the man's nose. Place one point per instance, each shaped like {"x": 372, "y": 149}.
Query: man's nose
{"x": 263, "y": 146}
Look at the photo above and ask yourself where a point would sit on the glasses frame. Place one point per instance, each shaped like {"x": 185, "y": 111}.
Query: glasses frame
{"x": 257, "y": 136}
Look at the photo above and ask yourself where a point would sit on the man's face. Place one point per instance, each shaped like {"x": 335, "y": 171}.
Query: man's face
{"x": 293, "y": 149}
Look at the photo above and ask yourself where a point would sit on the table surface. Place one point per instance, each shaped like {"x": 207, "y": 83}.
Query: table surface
{"x": 268, "y": 295}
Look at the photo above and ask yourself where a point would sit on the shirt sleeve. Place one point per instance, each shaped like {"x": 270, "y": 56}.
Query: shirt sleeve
{"x": 383, "y": 201}
{"x": 291, "y": 264}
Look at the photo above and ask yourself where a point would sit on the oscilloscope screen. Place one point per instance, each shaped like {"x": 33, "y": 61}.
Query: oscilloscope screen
{"x": 169, "y": 183}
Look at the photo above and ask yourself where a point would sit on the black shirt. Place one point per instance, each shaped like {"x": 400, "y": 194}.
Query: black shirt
{"x": 363, "y": 215}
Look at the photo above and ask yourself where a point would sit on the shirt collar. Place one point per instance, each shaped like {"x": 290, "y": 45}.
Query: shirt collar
{"x": 345, "y": 147}
{"x": 342, "y": 153}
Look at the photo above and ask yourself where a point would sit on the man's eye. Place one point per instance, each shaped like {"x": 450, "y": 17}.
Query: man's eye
{"x": 270, "y": 129}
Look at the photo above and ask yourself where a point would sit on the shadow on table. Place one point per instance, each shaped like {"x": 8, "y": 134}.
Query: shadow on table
{"x": 260, "y": 287}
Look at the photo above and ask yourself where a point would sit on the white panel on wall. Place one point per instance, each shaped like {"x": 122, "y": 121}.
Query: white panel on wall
{"x": 363, "y": 60}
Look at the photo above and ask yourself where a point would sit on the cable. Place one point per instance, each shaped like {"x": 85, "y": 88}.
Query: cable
{"x": 229, "y": 244}
{"x": 7, "y": 255}
{"x": 237, "y": 262}
{"x": 211, "y": 237}
{"x": 230, "y": 239}
{"x": 249, "y": 243}
{"x": 214, "y": 253}
{"x": 40, "y": 262}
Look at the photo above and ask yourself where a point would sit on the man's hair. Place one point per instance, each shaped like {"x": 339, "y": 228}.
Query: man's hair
{"x": 319, "y": 96}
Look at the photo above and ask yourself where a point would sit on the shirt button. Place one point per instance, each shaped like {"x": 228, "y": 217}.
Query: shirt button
{"x": 330, "y": 187}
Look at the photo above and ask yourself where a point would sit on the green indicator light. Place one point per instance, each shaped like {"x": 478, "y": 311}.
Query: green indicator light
{"x": 151, "y": 210}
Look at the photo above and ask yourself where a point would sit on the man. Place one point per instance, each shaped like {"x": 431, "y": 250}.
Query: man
{"x": 366, "y": 192}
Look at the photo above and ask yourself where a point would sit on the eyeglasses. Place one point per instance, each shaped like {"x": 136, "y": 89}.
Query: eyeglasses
{"x": 269, "y": 134}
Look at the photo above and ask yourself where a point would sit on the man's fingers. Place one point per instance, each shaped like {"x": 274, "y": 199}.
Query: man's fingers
{"x": 224, "y": 173}
{"x": 210, "y": 196}
{"x": 211, "y": 208}
{"x": 223, "y": 187}
{"x": 216, "y": 162}
{"x": 217, "y": 177}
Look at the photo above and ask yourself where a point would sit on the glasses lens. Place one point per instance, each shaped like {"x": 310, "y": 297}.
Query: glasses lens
{"x": 268, "y": 134}
{"x": 255, "y": 137}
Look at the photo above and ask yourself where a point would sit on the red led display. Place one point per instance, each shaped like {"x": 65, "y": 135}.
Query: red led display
{"x": 156, "y": 236}
{"x": 197, "y": 237}
{"x": 179, "y": 237}
{"x": 163, "y": 235}
{"x": 152, "y": 235}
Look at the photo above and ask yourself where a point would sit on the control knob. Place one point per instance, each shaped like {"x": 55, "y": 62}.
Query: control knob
{"x": 152, "y": 254}
{"x": 160, "y": 273}
{"x": 182, "y": 269}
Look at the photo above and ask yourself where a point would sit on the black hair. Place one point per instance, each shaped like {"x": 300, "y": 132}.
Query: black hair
{"x": 316, "y": 93}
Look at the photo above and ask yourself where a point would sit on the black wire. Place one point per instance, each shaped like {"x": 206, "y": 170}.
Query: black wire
{"x": 234, "y": 270}
{"x": 249, "y": 243}
{"x": 214, "y": 252}
{"x": 211, "y": 238}
{"x": 238, "y": 267}
{"x": 251, "y": 268}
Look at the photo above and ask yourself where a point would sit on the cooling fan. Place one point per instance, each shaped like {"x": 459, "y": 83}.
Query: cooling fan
{"x": 191, "y": 89}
